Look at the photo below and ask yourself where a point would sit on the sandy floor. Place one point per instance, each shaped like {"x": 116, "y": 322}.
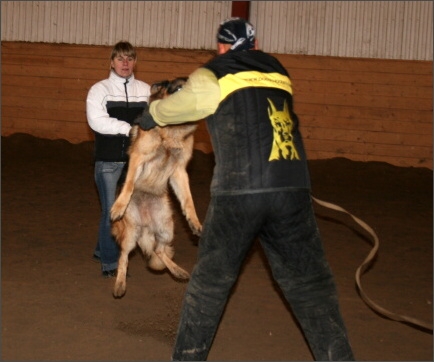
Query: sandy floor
{"x": 56, "y": 305}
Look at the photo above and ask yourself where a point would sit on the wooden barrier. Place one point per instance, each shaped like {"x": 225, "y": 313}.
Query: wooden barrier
{"x": 360, "y": 109}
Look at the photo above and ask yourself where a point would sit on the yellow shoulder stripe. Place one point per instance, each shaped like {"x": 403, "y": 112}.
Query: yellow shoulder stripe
{"x": 233, "y": 82}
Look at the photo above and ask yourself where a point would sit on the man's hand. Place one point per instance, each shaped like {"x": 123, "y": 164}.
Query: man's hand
{"x": 145, "y": 121}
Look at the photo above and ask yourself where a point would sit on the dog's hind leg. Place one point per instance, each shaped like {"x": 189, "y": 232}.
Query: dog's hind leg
{"x": 126, "y": 235}
{"x": 164, "y": 251}
{"x": 156, "y": 241}
{"x": 147, "y": 244}
{"x": 120, "y": 286}
{"x": 161, "y": 257}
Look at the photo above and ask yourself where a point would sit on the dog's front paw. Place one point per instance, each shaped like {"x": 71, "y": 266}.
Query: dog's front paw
{"x": 117, "y": 211}
{"x": 195, "y": 227}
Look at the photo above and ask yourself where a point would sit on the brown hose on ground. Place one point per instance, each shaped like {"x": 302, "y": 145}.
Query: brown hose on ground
{"x": 363, "y": 267}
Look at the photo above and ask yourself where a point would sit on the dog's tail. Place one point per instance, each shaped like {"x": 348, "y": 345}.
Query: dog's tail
{"x": 162, "y": 258}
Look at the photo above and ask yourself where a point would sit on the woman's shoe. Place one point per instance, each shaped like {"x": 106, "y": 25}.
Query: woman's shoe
{"x": 109, "y": 273}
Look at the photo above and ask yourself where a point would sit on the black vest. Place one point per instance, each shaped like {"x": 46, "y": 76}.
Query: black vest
{"x": 114, "y": 148}
{"x": 254, "y": 131}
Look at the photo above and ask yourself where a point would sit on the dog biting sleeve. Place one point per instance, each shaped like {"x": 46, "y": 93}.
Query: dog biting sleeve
{"x": 197, "y": 99}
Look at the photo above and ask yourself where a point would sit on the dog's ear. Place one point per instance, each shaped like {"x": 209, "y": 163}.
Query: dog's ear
{"x": 176, "y": 84}
{"x": 158, "y": 86}
{"x": 158, "y": 90}
{"x": 181, "y": 79}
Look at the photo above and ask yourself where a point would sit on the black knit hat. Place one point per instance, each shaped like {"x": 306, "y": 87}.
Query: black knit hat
{"x": 238, "y": 32}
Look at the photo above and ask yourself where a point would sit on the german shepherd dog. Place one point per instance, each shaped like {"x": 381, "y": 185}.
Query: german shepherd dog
{"x": 142, "y": 213}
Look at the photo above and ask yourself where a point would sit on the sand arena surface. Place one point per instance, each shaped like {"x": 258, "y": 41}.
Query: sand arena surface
{"x": 56, "y": 305}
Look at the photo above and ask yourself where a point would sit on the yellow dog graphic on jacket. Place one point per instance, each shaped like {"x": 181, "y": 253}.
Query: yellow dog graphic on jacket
{"x": 283, "y": 144}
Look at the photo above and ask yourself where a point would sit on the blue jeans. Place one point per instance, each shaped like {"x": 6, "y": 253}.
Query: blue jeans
{"x": 107, "y": 175}
{"x": 286, "y": 226}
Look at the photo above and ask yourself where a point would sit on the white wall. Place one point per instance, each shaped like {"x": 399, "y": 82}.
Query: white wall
{"x": 161, "y": 24}
{"x": 363, "y": 29}
{"x": 366, "y": 29}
